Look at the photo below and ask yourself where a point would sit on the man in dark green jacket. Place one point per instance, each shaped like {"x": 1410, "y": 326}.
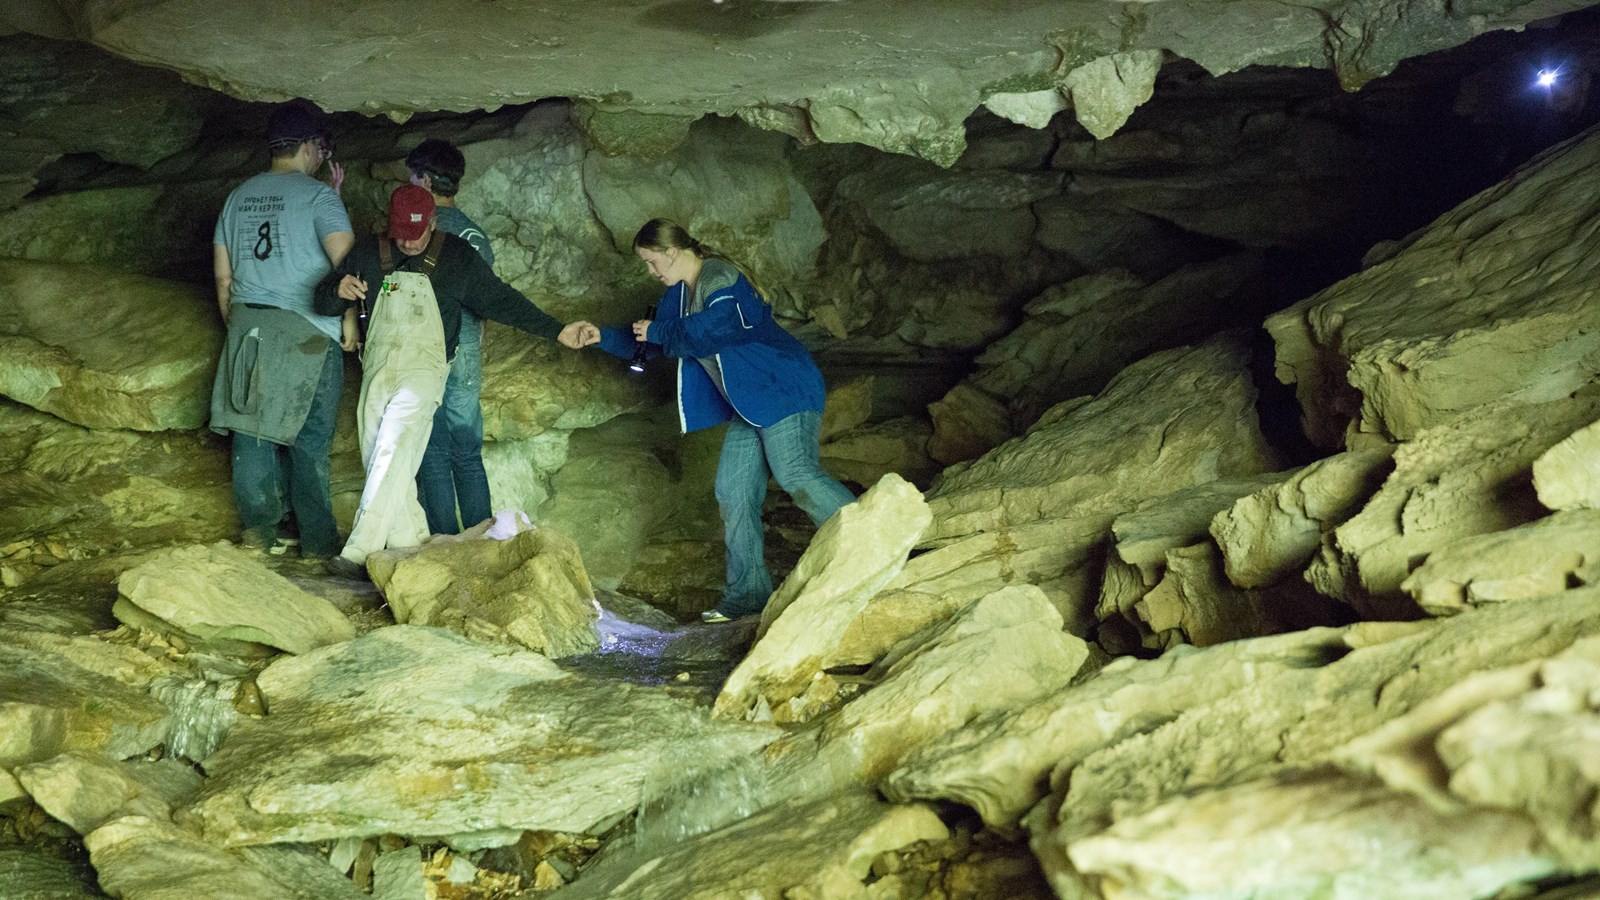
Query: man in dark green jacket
{"x": 411, "y": 285}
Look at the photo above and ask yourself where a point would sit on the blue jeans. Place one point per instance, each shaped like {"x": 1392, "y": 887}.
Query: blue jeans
{"x": 452, "y": 467}
{"x": 264, "y": 473}
{"x": 787, "y": 451}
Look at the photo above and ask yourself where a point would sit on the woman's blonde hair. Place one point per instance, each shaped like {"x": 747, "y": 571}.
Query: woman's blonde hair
{"x": 661, "y": 235}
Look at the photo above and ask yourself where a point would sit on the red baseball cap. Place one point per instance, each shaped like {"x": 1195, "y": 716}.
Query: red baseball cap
{"x": 410, "y": 211}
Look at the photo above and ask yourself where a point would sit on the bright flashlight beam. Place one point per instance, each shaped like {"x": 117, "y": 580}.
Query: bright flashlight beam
{"x": 1547, "y": 77}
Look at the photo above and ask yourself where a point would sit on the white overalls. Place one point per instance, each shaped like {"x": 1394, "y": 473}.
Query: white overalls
{"x": 403, "y": 381}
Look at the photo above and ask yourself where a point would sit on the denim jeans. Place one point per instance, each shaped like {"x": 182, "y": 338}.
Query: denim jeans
{"x": 452, "y": 467}
{"x": 787, "y": 451}
{"x": 265, "y": 474}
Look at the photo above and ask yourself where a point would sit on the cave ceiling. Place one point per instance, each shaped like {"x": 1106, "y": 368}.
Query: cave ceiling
{"x": 899, "y": 76}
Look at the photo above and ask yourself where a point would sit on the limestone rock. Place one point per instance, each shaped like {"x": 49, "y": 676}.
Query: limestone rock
{"x": 1194, "y": 602}
{"x": 51, "y": 703}
{"x": 222, "y": 597}
{"x": 526, "y": 586}
{"x": 1106, "y": 91}
{"x": 849, "y": 406}
{"x": 107, "y": 350}
{"x": 852, "y": 556}
{"x": 1004, "y": 650}
{"x": 140, "y": 858}
{"x": 1079, "y": 334}
{"x": 865, "y": 455}
{"x": 967, "y": 423}
{"x": 749, "y": 205}
{"x": 35, "y": 875}
{"x": 73, "y": 598}
{"x": 928, "y": 215}
{"x": 1000, "y": 764}
{"x": 571, "y": 390}
{"x": 1272, "y": 534}
{"x": 1543, "y": 557}
{"x": 608, "y": 497}
{"x": 1159, "y": 525}
{"x": 417, "y": 731}
{"x": 1175, "y": 419}
{"x": 87, "y": 790}
{"x": 1565, "y": 475}
{"x": 1453, "y": 481}
{"x": 1516, "y": 740}
{"x": 1312, "y": 712}
{"x": 1349, "y": 837}
{"x": 99, "y": 490}
{"x": 1439, "y": 329}
{"x": 825, "y": 849}
{"x": 1055, "y": 555}
{"x": 521, "y": 471}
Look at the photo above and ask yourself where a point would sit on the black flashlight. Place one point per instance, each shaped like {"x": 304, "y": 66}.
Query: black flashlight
{"x": 639, "y": 349}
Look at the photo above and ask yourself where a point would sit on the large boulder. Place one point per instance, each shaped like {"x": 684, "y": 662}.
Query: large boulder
{"x": 501, "y": 581}
{"x": 106, "y": 349}
{"x": 226, "y": 599}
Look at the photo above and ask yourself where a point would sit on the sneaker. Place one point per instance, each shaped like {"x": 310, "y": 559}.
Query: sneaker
{"x": 282, "y": 545}
{"x": 251, "y": 540}
{"x": 714, "y": 617}
{"x": 345, "y": 568}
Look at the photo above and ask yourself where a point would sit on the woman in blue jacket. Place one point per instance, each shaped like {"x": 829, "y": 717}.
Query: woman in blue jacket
{"x": 735, "y": 365}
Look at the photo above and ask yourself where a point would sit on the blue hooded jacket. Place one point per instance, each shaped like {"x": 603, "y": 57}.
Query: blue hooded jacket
{"x": 768, "y": 374}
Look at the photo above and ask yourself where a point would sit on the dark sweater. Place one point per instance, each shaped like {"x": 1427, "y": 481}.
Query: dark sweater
{"x": 461, "y": 280}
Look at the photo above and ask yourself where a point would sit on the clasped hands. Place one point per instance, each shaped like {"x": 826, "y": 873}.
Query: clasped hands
{"x": 580, "y": 334}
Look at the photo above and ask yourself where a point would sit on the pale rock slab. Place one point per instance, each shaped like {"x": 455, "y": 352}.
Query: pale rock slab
{"x": 224, "y": 598}
{"x": 1310, "y": 714}
{"x": 1518, "y": 740}
{"x": 1567, "y": 476}
{"x": 418, "y": 731}
{"x": 1491, "y": 302}
{"x": 140, "y": 858}
{"x": 1000, "y": 763}
{"x": 1454, "y": 481}
{"x": 1004, "y": 650}
{"x": 854, "y": 554}
{"x": 1543, "y": 557}
{"x": 502, "y": 581}
{"x": 823, "y": 849}
{"x": 105, "y": 349}
{"x": 1175, "y": 419}
{"x": 54, "y": 699}
{"x": 1273, "y": 533}
{"x": 1346, "y": 837}
{"x": 87, "y": 790}
{"x": 1058, "y": 556}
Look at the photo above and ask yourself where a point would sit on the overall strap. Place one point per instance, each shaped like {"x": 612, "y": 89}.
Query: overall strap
{"x": 385, "y": 256}
{"x": 430, "y": 260}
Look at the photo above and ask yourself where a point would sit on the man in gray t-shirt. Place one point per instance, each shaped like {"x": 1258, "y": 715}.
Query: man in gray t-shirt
{"x": 278, "y": 383}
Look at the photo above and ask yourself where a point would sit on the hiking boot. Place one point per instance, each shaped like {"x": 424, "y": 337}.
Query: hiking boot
{"x": 346, "y": 568}
{"x": 714, "y": 617}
